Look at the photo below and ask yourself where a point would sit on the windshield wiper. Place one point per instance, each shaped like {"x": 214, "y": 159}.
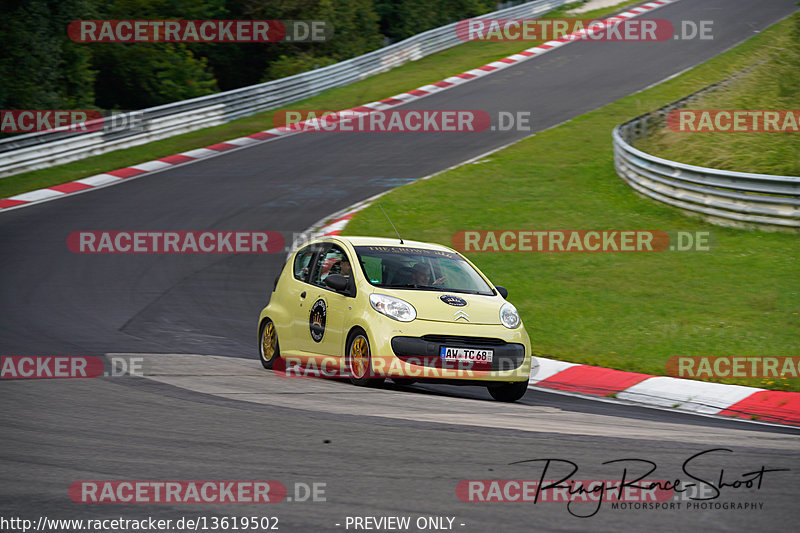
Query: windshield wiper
{"x": 407, "y": 286}
{"x": 461, "y": 291}
{"x": 431, "y": 288}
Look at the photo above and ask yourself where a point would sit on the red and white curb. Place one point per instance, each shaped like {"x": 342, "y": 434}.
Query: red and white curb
{"x": 142, "y": 169}
{"x": 335, "y": 223}
{"x": 735, "y": 401}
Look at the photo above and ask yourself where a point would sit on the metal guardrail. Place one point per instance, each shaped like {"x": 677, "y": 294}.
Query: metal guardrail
{"x": 722, "y": 197}
{"x": 44, "y": 149}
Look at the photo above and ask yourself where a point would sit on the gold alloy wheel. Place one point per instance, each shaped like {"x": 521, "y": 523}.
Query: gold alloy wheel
{"x": 359, "y": 357}
{"x": 268, "y": 342}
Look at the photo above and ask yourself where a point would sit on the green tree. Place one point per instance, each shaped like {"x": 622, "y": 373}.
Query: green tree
{"x": 355, "y": 32}
{"x": 400, "y": 19}
{"x": 138, "y": 75}
{"x": 40, "y": 67}
{"x": 145, "y": 75}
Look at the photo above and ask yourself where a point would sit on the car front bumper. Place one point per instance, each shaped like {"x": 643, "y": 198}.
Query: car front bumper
{"x": 412, "y": 350}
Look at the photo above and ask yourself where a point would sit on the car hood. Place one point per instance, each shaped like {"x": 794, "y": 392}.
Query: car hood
{"x": 463, "y": 309}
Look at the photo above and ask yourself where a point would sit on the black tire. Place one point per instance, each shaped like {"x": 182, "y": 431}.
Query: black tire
{"x": 404, "y": 382}
{"x": 268, "y": 349}
{"x": 359, "y": 360}
{"x": 509, "y": 392}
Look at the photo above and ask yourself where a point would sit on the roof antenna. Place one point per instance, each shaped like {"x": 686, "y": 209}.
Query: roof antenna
{"x": 390, "y": 222}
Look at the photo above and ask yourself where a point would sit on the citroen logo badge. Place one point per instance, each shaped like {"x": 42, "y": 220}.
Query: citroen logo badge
{"x": 461, "y": 314}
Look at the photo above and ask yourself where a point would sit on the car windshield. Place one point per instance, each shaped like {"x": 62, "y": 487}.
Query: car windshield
{"x": 399, "y": 267}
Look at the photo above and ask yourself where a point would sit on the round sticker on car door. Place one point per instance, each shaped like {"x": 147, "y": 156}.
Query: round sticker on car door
{"x": 316, "y": 320}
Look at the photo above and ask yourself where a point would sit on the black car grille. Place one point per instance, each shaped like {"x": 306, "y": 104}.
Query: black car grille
{"x": 424, "y": 351}
{"x": 472, "y": 341}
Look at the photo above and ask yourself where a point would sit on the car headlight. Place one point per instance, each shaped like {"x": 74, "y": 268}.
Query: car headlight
{"x": 509, "y": 316}
{"x": 393, "y": 307}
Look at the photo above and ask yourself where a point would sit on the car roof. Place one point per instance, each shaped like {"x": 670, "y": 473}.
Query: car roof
{"x": 383, "y": 241}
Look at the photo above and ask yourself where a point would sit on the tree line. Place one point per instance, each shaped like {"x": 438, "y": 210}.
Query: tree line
{"x": 42, "y": 68}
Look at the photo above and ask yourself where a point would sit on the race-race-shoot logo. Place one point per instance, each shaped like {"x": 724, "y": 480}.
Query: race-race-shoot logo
{"x": 704, "y": 477}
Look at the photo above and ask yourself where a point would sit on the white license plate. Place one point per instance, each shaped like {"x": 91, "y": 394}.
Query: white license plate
{"x": 466, "y": 354}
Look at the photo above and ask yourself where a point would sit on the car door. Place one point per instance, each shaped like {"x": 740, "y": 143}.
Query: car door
{"x": 328, "y": 310}
{"x": 296, "y": 299}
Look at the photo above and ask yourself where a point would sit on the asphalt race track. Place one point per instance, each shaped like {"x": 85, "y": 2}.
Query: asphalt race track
{"x": 206, "y": 410}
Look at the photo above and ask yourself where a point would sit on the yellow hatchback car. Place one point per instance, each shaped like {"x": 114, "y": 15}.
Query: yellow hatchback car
{"x": 369, "y": 308}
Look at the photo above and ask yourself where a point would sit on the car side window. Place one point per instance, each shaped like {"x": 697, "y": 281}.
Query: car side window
{"x": 302, "y": 263}
{"x": 331, "y": 261}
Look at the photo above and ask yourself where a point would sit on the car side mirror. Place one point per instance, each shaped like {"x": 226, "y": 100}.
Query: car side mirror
{"x": 502, "y": 290}
{"x": 337, "y": 282}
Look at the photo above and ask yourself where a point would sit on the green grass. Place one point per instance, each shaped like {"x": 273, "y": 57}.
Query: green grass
{"x": 626, "y": 311}
{"x": 773, "y": 83}
{"x": 404, "y": 78}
